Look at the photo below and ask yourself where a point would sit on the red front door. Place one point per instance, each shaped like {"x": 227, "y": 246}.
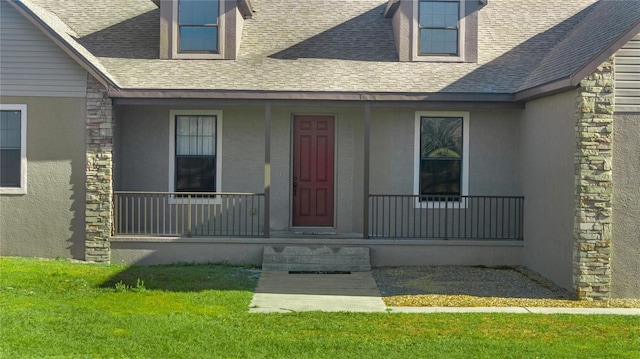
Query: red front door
{"x": 313, "y": 147}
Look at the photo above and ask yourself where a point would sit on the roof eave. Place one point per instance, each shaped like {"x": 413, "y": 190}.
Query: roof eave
{"x": 390, "y": 9}
{"x": 573, "y": 80}
{"x": 245, "y": 8}
{"x": 606, "y": 53}
{"x": 62, "y": 44}
{"x": 142, "y": 96}
{"x": 543, "y": 90}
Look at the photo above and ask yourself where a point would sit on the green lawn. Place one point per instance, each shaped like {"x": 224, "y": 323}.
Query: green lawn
{"x": 52, "y": 308}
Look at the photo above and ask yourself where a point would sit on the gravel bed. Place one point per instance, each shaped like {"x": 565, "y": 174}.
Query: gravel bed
{"x": 459, "y": 286}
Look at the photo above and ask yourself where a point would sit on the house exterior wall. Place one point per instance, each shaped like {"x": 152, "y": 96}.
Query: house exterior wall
{"x": 142, "y": 165}
{"x": 143, "y": 145}
{"x": 627, "y": 77}
{"x": 547, "y": 176}
{"x": 625, "y": 256}
{"x": 625, "y": 251}
{"x": 48, "y": 221}
{"x": 142, "y": 161}
{"x": 31, "y": 64}
{"x": 493, "y": 152}
{"x": 347, "y": 120}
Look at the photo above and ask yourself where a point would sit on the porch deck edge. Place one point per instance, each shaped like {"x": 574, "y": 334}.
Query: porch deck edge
{"x": 249, "y": 251}
{"x": 319, "y": 241}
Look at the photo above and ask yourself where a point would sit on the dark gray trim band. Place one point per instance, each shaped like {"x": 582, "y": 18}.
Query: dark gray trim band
{"x": 427, "y": 105}
{"x": 306, "y": 95}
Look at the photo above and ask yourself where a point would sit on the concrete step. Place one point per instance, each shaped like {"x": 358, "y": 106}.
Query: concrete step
{"x": 316, "y": 259}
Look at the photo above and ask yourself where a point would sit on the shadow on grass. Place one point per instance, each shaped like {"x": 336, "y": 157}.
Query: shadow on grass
{"x": 184, "y": 278}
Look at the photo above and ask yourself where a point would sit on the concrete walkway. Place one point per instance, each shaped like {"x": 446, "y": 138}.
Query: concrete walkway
{"x": 284, "y": 292}
{"x": 281, "y": 292}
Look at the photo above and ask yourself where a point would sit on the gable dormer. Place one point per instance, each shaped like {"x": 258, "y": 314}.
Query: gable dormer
{"x": 202, "y": 29}
{"x": 435, "y": 30}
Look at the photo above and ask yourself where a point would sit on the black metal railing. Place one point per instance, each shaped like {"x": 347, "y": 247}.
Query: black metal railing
{"x": 188, "y": 213}
{"x": 446, "y": 217}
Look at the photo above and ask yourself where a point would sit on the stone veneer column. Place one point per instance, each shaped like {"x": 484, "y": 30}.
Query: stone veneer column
{"x": 592, "y": 231}
{"x": 99, "y": 179}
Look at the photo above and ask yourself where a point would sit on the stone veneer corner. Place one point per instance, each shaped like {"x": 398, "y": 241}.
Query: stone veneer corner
{"x": 594, "y": 186}
{"x": 99, "y": 172}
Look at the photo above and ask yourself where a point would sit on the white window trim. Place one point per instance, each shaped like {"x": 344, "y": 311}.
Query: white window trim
{"x": 172, "y": 154}
{"x": 23, "y": 149}
{"x": 415, "y": 45}
{"x": 176, "y": 54}
{"x": 465, "y": 159}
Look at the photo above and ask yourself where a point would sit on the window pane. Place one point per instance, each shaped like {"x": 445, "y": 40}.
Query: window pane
{"x": 10, "y": 129}
{"x": 195, "y": 174}
{"x": 182, "y": 135}
{"x": 208, "y": 137}
{"x": 439, "y": 14}
{"x": 440, "y": 137}
{"x": 9, "y": 168}
{"x": 199, "y": 39}
{"x": 198, "y": 12}
{"x": 440, "y": 155}
{"x": 196, "y": 135}
{"x": 436, "y": 41}
{"x": 195, "y": 153}
{"x": 440, "y": 177}
{"x": 10, "y": 148}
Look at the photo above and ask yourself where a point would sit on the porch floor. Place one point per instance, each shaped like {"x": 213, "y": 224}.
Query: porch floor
{"x": 314, "y": 233}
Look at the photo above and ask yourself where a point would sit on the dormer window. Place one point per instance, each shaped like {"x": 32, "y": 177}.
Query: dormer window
{"x": 438, "y": 28}
{"x": 202, "y": 29}
{"x": 198, "y": 26}
{"x": 435, "y": 30}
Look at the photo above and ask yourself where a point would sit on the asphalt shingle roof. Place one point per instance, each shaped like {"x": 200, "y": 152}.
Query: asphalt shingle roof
{"x": 342, "y": 46}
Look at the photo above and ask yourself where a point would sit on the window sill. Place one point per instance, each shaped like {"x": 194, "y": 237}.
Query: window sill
{"x": 197, "y": 56}
{"x": 429, "y": 58}
{"x": 13, "y": 191}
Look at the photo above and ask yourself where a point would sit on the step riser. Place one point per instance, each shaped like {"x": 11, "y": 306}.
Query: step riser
{"x": 321, "y": 259}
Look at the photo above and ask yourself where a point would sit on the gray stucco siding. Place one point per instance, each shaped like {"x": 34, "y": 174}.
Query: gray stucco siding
{"x": 31, "y": 64}
{"x": 48, "y": 221}
{"x": 625, "y": 256}
{"x": 142, "y": 149}
{"x": 547, "y": 150}
{"x": 493, "y": 152}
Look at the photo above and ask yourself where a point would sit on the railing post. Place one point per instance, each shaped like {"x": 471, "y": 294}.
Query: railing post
{"x": 188, "y": 216}
{"x": 267, "y": 167}
{"x": 446, "y": 217}
{"x": 365, "y": 187}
